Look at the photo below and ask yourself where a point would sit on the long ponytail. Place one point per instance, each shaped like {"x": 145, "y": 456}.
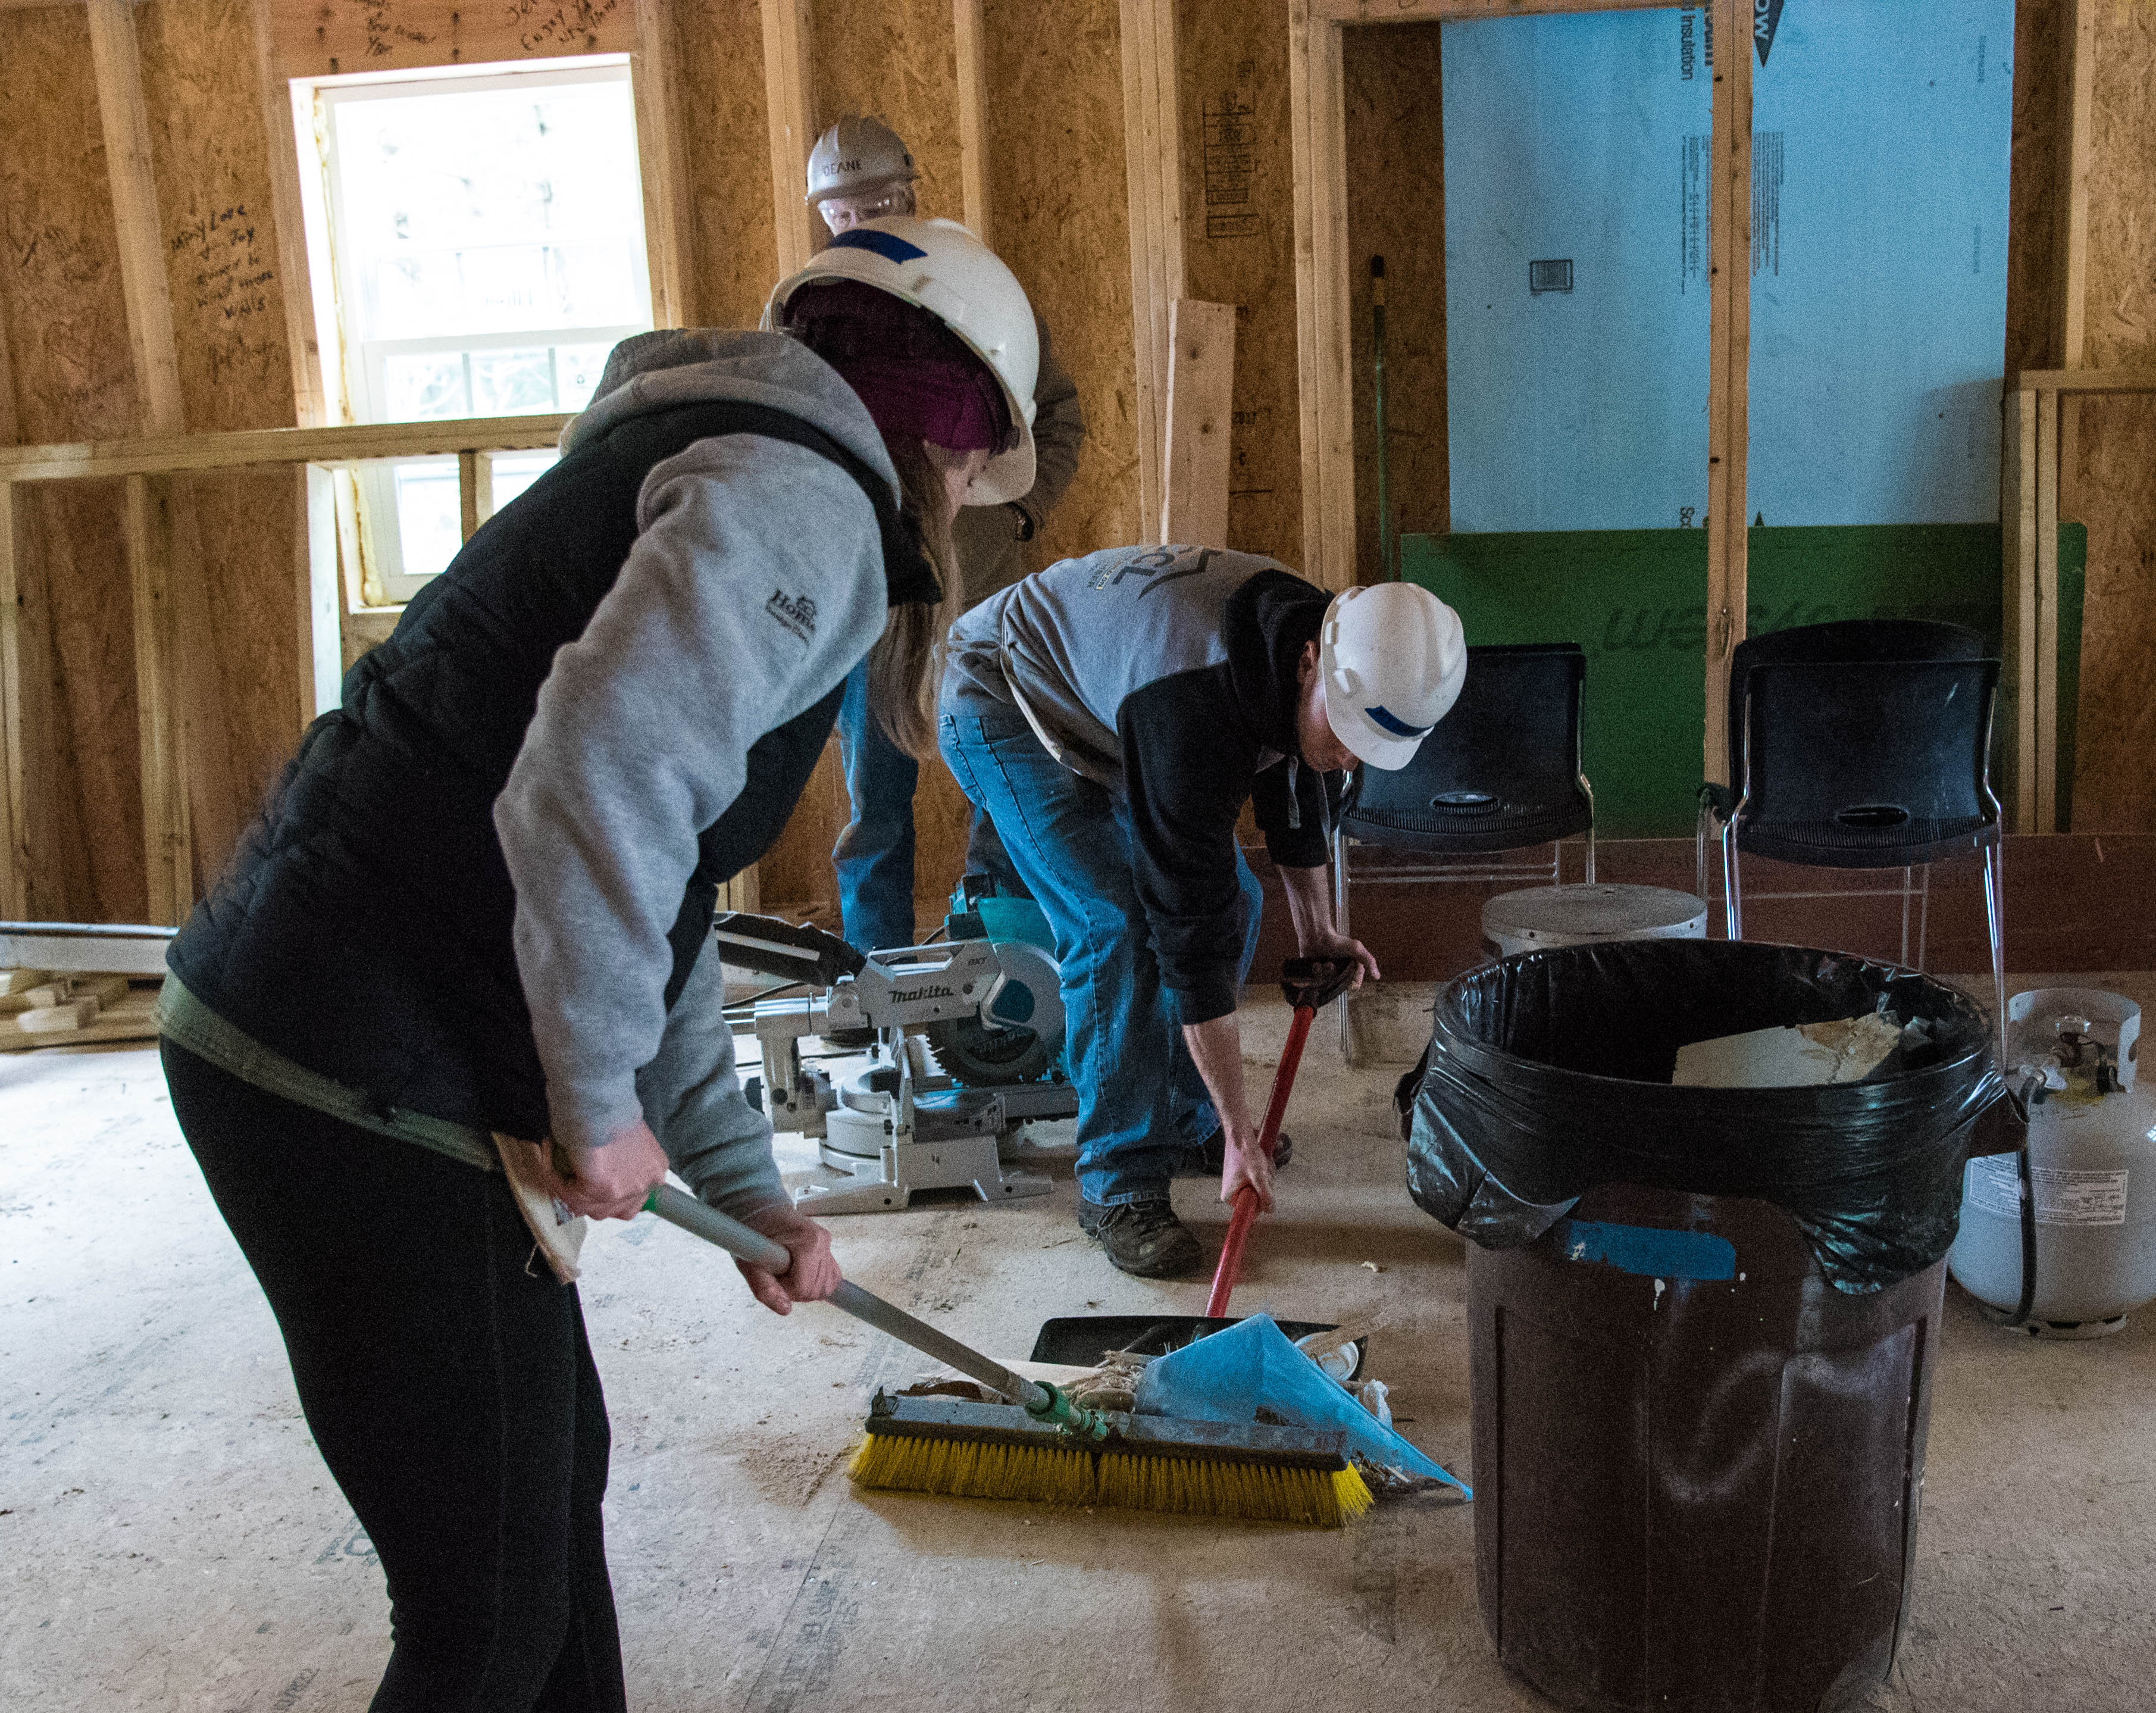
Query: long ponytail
{"x": 905, "y": 665}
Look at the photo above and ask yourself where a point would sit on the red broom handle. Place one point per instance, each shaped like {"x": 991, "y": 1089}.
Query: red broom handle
{"x": 1246, "y": 1199}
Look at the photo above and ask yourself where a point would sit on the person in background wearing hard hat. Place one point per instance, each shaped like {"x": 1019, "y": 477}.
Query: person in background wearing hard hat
{"x": 861, "y": 170}
{"x": 478, "y": 906}
{"x": 1113, "y": 713}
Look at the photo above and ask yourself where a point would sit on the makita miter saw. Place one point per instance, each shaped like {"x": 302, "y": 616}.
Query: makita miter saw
{"x": 968, "y": 1044}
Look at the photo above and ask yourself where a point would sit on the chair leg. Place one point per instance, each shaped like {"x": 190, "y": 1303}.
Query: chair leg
{"x": 1924, "y": 922}
{"x": 1994, "y": 919}
{"x": 1909, "y": 886}
{"x": 1732, "y": 902}
{"x": 1590, "y": 853}
{"x": 1340, "y": 927}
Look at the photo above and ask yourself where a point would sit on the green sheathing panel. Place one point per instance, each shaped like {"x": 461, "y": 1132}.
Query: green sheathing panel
{"x": 1636, "y": 600}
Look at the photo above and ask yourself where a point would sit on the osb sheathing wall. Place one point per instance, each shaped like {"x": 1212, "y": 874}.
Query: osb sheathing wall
{"x": 2109, "y": 477}
{"x": 1058, "y": 208}
{"x": 74, "y": 379}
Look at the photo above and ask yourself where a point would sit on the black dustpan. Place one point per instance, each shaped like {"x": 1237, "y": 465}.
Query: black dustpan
{"x": 1080, "y": 1340}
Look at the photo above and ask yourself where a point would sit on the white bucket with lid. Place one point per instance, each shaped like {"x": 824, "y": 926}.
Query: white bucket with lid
{"x": 1542, "y": 917}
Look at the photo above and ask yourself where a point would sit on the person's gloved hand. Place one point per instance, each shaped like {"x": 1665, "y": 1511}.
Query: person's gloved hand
{"x": 815, "y": 1274}
{"x": 613, "y": 1180}
{"x": 1328, "y": 945}
{"x": 1244, "y": 1163}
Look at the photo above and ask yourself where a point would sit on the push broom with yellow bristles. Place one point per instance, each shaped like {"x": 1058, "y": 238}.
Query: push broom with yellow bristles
{"x": 1046, "y": 1448}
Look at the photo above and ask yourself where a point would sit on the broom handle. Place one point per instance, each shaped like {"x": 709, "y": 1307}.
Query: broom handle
{"x": 746, "y": 1244}
{"x": 1246, "y": 1199}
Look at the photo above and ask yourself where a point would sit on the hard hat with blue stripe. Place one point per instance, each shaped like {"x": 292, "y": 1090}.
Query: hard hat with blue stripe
{"x": 1392, "y": 657}
{"x": 939, "y": 266}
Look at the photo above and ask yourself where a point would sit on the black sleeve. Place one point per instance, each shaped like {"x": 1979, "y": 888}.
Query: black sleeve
{"x": 1315, "y": 804}
{"x": 1187, "y": 767}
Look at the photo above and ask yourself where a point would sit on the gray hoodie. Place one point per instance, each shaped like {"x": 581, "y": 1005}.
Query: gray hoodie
{"x": 644, "y": 726}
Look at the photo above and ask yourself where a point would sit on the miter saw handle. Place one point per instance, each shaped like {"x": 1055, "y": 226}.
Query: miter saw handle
{"x": 771, "y": 947}
{"x": 1316, "y": 982}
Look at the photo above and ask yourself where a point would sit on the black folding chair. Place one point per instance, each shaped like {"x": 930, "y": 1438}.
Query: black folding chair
{"x": 1500, "y": 773}
{"x": 1860, "y": 744}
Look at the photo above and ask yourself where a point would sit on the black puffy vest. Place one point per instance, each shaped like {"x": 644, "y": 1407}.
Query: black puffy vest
{"x": 363, "y": 929}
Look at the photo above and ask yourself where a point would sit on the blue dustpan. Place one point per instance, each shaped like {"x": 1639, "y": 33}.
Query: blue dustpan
{"x": 1231, "y": 1375}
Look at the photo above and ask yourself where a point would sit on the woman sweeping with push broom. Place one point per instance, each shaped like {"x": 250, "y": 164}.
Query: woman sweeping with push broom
{"x": 480, "y": 901}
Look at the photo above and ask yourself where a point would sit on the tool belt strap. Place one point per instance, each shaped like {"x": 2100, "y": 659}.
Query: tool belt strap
{"x": 185, "y": 1021}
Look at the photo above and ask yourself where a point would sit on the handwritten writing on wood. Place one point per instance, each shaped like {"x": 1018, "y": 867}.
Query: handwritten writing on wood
{"x": 563, "y": 23}
{"x": 230, "y": 276}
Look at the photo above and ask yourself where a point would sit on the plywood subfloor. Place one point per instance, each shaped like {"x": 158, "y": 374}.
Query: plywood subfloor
{"x": 168, "y": 1539}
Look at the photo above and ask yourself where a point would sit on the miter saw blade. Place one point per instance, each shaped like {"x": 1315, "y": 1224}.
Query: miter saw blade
{"x": 1029, "y": 1008}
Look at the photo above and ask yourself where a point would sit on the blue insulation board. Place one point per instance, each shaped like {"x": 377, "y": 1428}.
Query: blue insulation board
{"x": 1576, "y": 173}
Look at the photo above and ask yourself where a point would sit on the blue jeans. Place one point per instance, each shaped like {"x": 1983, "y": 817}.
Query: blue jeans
{"x": 874, "y": 856}
{"x": 1142, "y": 1110}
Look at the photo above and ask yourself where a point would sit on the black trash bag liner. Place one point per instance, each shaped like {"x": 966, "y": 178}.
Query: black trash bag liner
{"x": 1549, "y": 1073}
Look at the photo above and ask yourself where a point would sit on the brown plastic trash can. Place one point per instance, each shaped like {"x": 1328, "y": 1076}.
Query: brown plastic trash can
{"x": 1697, "y": 1465}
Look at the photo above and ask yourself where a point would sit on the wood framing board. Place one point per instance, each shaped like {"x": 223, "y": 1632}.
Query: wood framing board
{"x": 474, "y": 491}
{"x": 2107, "y": 444}
{"x": 895, "y": 60}
{"x": 1152, "y": 154}
{"x": 2083, "y": 381}
{"x": 971, "y": 54}
{"x": 1325, "y": 345}
{"x": 662, "y": 167}
{"x": 132, "y": 1018}
{"x": 14, "y": 757}
{"x": 1057, "y": 184}
{"x": 319, "y": 608}
{"x": 732, "y": 249}
{"x": 75, "y": 377}
{"x": 1395, "y": 141}
{"x": 168, "y": 846}
{"x": 14, "y": 549}
{"x": 2047, "y": 612}
{"x": 350, "y": 443}
{"x": 1729, "y": 360}
{"x": 1238, "y": 248}
{"x": 2031, "y": 231}
{"x": 288, "y": 223}
{"x": 2017, "y": 507}
{"x": 1431, "y": 10}
{"x": 2076, "y": 130}
{"x": 116, "y": 60}
{"x": 1201, "y": 393}
{"x": 335, "y": 38}
{"x": 790, "y": 111}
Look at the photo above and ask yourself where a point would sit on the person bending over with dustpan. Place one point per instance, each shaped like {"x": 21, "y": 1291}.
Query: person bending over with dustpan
{"x": 1112, "y": 714}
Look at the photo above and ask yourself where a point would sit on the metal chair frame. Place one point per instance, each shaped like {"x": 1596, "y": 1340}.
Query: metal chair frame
{"x": 1992, "y": 851}
{"x": 1454, "y": 870}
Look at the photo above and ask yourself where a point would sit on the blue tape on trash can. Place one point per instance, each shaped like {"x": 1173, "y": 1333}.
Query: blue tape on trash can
{"x": 1654, "y": 1250}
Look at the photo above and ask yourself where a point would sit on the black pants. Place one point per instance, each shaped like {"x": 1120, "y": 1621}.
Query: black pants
{"x": 449, "y": 1387}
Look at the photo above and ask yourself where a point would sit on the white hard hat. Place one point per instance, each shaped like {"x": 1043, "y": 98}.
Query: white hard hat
{"x": 855, "y": 155}
{"x": 1392, "y": 657}
{"x": 939, "y": 266}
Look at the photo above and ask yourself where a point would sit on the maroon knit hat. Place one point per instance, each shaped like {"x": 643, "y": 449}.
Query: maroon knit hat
{"x": 919, "y": 380}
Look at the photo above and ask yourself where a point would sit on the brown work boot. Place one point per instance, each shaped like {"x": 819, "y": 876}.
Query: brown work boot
{"x": 1144, "y": 1238}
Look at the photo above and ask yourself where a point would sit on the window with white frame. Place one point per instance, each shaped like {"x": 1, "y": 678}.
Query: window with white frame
{"x": 483, "y": 232}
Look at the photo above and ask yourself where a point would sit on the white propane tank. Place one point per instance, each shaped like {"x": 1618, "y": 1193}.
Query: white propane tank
{"x": 2092, "y": 1161}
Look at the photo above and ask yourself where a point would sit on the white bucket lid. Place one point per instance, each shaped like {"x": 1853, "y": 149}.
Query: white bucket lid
{"x": 1542, "y": 917}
